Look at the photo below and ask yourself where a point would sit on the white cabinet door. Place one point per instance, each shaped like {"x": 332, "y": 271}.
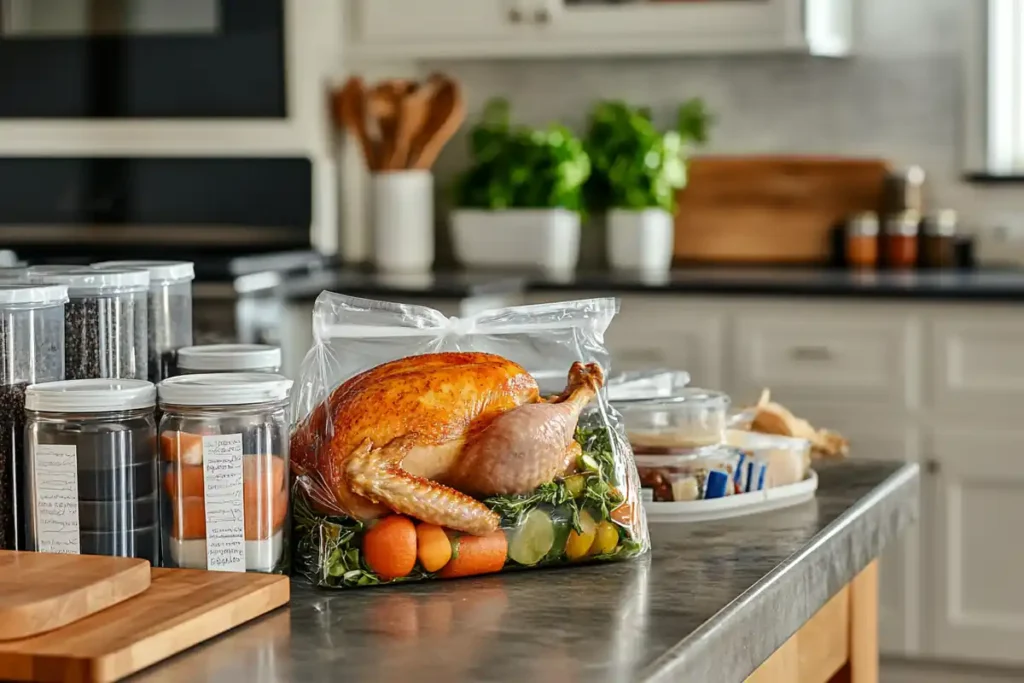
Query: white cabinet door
{"x": 663, "y": 332}
{"x": 977, "y": 546}
{"x": 977, "y": 365}
{"x": 847, "y": 355}
{"x": 879, "y": 437}
{"x": 406, "y": 23}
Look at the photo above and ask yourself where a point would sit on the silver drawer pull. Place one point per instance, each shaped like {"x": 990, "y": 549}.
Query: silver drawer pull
{"x": 811, "y": 353}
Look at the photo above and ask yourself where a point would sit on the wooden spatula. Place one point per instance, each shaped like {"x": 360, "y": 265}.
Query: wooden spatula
{"x": 350, "y": 111}
{"x": 445, "y": 113}
{"x": 385, "y": 105}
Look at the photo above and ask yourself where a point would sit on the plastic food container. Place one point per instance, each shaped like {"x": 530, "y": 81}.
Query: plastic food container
{"x": 92, "y": 467}
{"x": 105, "y": 321}
{"x": 13, "y": 273}
{"x": 627, "y": 386}
{"x": 229, "y": 358}
{"x": 31, "y": 350}
{"x": 170, "y": 310}
{"x": 787, "y": 459}
{"x": 697, "y": 475}
{"x": 224, "y": 471}
{"x": 682, "y": 421}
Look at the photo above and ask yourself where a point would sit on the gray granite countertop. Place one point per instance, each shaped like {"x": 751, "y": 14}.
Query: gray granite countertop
{"x": 710, "y": 604}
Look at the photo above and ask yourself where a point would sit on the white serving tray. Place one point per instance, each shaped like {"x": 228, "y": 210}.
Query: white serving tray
{"x": 735, "y": 505}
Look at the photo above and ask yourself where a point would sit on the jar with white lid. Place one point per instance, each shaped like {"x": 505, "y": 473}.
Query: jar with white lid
{"x": 31, "y": 350}
{"x": 224, "y": 468}
{"x": 106, "y": 321}
{"x": 92, "y": 468}
{"x": 229, "y": 358}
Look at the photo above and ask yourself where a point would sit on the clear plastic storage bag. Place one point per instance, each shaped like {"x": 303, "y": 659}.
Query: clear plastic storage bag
{"x": 424, "y": 449}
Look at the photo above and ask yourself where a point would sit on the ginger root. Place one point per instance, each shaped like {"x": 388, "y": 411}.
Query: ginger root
{"x": 773, "y": 418}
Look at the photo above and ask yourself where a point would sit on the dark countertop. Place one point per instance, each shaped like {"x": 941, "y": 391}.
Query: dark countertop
{"x": 711, "y": 603}
{"x": 990, "y": 285}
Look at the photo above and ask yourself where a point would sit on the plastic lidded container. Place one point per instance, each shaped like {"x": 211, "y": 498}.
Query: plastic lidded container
{"x": 702, "y": 473}
{"x": 92, "y": 468}
{"x": 170, "y": 310}
{"x": 31, "y": 350}
{"x": 687, "y": 418}
{"x": 224, "y": 470}
{"x": 229, "y": 358}
{"x": 646, "y": 384}
{"x": 13, "y": 273}
{"x": 105, "y": 321}
{"x": 787, "y": 459}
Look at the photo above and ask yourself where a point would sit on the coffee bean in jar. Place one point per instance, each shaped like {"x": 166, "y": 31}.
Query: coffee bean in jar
{"x": 31, "y": 350}
{"x": 106, "y": 322}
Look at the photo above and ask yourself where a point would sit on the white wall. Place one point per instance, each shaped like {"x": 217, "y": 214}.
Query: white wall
{"x": 898, "y": 98}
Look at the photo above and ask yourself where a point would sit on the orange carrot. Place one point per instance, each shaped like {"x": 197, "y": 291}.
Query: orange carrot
{"x": 262, "y": 517}
{"x": 625, "y": 514}
{"x": 185, "y": 481}
{"x": 390, "y": 547}
{"x": 432, "y": 546}
{"x": 474, "y": 555}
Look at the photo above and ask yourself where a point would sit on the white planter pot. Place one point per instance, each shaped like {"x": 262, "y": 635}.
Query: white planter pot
{"x": 544, "y": 238}
{"x": 403, "y": 220}
{"x": 640, "y": 240}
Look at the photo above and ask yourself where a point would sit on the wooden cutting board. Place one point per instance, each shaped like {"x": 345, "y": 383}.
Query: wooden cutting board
{"x": 181, "y": 608}
{"x": 40, "y": 591}
{"x": 772, "y": 209}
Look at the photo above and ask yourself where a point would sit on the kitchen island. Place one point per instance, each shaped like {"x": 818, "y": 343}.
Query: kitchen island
{"x": 711, "y": 603}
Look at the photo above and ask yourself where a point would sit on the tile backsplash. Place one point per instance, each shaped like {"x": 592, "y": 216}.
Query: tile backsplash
{"x": 899, "y": 98}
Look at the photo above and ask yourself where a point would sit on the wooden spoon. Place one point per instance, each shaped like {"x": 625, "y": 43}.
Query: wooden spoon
{"x": 445, "y": 114}
{"x": 350, "y": 111}
{"x": 384, "y": 104}
{"x": 412, "y": 115}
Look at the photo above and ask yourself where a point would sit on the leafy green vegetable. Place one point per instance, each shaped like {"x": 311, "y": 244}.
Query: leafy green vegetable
{"x": 517, "y": 167}
{"x": 635, "y": 166}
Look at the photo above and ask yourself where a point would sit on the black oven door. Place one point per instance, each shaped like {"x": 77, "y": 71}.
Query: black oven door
{"x": 142, "y": 59}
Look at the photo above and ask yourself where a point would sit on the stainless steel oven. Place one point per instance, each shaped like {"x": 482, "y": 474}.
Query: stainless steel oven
{"x": 142, "y": 59}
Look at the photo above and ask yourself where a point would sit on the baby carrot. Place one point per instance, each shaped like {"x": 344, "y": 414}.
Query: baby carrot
{"x": 432, "y": 546}
{"x": 474, "y": 555}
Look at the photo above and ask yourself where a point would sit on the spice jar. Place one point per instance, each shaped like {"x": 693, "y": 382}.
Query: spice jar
{"x": 92, "y": 467}
{"x": 862, "y": 241}
{"x": 170, "y": 311}
{"x": 939, "y": 249}
{"x": 106, "y": 321}
{"x": 229, "y": 358}
{"x": 224, "y": 462}
{"x": 901, "y": 240}
{"x": 31, "y": 350}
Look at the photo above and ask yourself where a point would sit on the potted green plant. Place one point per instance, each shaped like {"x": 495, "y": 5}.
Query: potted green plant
{"x": 519, "y": 203}
{"x": 637, "y": 171}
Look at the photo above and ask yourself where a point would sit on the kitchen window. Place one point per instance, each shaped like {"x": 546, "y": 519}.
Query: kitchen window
{"x": 994, "y": 90}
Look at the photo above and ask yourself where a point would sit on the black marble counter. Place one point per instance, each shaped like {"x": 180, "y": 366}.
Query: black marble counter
{"x": 710, "y": 603}
{"x": 991, "y": 285}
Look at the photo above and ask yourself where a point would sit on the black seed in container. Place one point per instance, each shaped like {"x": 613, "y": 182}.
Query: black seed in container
{"x": 12, "y": 430}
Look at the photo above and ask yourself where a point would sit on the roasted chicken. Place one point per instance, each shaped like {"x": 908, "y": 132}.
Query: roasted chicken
{"x": 428, "y": 435}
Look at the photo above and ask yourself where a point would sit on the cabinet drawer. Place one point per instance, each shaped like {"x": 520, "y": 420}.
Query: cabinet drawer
{"x": 816, "y": 355}
{"x": 652, "y": 334}
{"x": 977, "y": 365}
{"x": 402, "y": 21}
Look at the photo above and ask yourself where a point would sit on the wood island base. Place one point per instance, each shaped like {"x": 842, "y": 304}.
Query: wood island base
{"x": 839, "y": 644}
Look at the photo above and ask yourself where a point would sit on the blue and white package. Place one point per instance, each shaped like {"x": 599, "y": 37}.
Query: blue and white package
{"x": 717, "y": 484}
{"x": 755, "y": 476}
{"x": 739, "y": 476}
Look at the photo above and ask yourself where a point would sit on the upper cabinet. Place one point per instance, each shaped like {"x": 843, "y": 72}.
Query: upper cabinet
{"x": 510, "y": 29}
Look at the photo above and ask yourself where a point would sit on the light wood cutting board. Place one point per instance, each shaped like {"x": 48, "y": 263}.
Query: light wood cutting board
{"x": 181, "y": 608}
{"x": 772, "y": 209}
{"x": 40, "y": 591}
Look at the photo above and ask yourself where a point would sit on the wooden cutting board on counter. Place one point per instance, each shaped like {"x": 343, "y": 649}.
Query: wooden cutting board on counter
{"x": 181, "y": 608}
{"x": 40, "y": 592}
{"x": 772, "y": 209}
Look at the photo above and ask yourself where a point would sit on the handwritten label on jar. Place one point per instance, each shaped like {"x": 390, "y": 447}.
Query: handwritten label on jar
{"x": 56, "y": 489}
{"x": 225, "y": 510}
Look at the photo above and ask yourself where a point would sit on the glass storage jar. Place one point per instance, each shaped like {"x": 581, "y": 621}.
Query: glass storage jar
{"x": 170, "y": 310}
{"x": 31, "y": 350}
{"x": 224, "y": 471}
{"x": 684, "y": 419}
{"x": 229, "y": 358}
{"x": 105, "y": 322}
{"x": 92, "y": 468}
